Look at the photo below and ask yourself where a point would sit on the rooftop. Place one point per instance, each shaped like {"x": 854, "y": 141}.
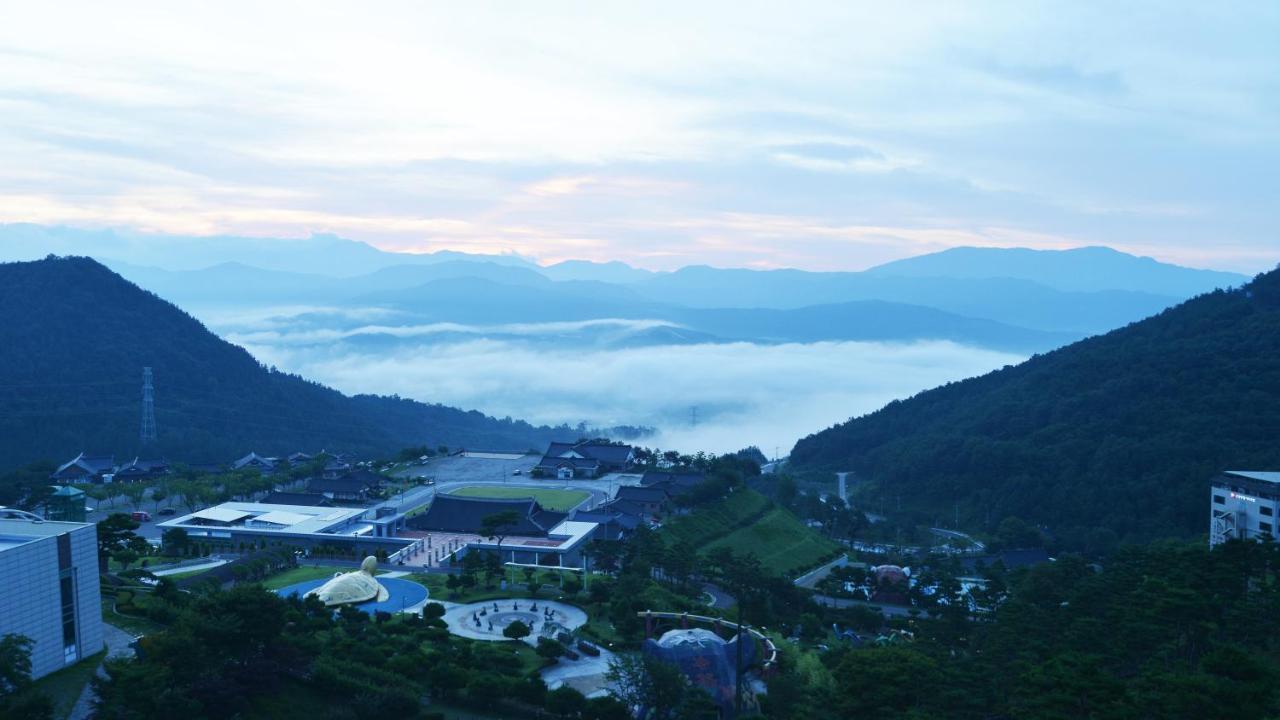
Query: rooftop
{"x": 273, "y": 518}
{"x": 1260, "y": 475}
{"x": 20, "y": 532}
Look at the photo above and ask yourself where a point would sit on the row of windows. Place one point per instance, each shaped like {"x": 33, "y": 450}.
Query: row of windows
{"x": 1262, "y": 509}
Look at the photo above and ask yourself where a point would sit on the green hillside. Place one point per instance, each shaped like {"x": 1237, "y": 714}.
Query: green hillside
{"x": 747, "y": 522}
{"x": 74, "y": 338}
{"x": 1111, "y": 438}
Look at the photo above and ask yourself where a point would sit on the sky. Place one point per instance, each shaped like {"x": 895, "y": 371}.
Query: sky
{"x": 826, "y": 136}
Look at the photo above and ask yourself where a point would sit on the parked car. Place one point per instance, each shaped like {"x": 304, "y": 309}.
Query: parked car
{"x": 167, "y": 511}
{"x": 140, "y": 516}
{"x": 572, "y": 655}
{"x": 588, "y": 649}
{"x": 517, "y": 471}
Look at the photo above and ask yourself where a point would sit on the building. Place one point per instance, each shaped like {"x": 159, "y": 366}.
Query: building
{"x": 674, "y": 483}
{"x": 291, "y": 498}
{"x": 85, "y": 468}
{"x": 66, "y": 504}
{"x": 586, "y": 459}
{"x": 538, "y": 537}
{"x": 460, "y": 514}
{"x": 254, "y": 461}
{"x": 355, "y": 486}
{"x": 141, "y": 470}
{"x": 232, "y": 524}
{"x": 652, "y": 501}
{"x": 1243, "y": 505}
{"x": 50, "y": 590}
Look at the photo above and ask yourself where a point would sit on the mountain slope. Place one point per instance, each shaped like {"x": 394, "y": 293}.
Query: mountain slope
{"x": 1111, "y": 437}
{"x": 73, "y": 340}
{"x": 1086, "y": 269}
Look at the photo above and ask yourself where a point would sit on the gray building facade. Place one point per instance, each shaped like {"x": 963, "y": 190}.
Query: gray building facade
{"x": 50, "y": 591}
{"x": 1243, "y": 505}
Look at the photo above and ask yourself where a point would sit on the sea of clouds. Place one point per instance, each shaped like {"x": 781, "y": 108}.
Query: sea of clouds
{"x": 744, "y": 393}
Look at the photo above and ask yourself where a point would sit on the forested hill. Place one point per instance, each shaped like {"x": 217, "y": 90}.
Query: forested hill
{"x": 74, "y": 338}
{"x": 1114, "y": 437}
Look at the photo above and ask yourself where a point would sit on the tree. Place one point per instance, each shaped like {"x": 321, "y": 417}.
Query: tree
{"x": 17, "y": 698}
{"x": 126, "y": 557}
{"x": 645, "y": 682}
{"x": 159, "y": 495}
{"x": 115, "y": 533}
{"x": 565, "y": 701}
{"x": 175, "y": 540}
{"x": 15, "y": 663}
{"x": 516, "y": 631}
{"x": 498, "y": 525}
{"x": 133, "y": 491}
{"x": 549, "y": 648}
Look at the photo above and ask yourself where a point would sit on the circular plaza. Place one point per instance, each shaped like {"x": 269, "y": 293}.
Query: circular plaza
{"x": 486, "y": 620}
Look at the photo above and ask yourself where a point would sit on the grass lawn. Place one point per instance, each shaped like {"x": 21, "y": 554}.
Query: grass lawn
{"x": 783, "y": 543}
{"x": 549, "y": 498}
{"x": 435, "y": 583}
{"x": 64, "y": 687}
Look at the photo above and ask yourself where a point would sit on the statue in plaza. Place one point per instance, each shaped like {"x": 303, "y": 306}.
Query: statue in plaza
{"x": 352, "y": 587}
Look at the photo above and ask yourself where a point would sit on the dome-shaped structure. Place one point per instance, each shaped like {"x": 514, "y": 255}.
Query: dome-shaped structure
{"x": 706, "y": 659}
{"x": 890, "y": 575}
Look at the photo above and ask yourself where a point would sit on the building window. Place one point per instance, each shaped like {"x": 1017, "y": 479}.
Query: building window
{"x": 1264, "y": 527}
{"x": 1219, "y": 500}
{"x": 68, "y": 592}
{"x": 1266, "y": 510}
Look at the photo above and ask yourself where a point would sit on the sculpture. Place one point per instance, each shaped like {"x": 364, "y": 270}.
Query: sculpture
{"x": 352, "y": 587}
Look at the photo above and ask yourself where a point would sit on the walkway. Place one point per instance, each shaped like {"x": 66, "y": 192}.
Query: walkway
{"x": 117, "y": 642}
{"x": 189, "y": 568}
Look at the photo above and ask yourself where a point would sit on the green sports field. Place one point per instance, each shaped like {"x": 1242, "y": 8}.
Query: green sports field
{"x": 549, "y": 498}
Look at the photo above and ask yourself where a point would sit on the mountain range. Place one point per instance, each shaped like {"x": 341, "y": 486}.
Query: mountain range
{"x": 1016, "y": 300}
{"x": 74, "y": 338}
{"x": 1113, "y": 438}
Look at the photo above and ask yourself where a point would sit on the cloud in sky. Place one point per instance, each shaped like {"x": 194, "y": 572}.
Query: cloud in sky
{"x": 647, "y": 133}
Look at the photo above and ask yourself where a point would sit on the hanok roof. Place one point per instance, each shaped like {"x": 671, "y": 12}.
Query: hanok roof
{"x": 299, "y": 499}
{"x": 641, "y": 494}
{"x": 254, "y": 459}
{"x": 605, "y": 516}
{"x": 356, "y": 482}
{"x": 675, "y": 482}
{"x": 88, "y": 464}
{"x": 454, "y": 513}
{"x": 590, "y": 450}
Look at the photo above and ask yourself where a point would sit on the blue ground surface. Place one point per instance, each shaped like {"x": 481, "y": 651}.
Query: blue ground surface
{"x": 404, "y": 593}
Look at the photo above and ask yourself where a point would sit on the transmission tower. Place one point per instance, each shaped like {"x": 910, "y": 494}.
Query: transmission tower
{"x": 148, "y": 433}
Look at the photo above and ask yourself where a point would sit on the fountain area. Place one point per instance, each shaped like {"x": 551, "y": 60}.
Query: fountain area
{"x": 486, "y": 620}
{"x": 403, "y": 595}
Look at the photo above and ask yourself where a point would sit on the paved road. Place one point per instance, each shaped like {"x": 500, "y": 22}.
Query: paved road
{"x": 887, "y": 610}
{"x": 719, "y": 598}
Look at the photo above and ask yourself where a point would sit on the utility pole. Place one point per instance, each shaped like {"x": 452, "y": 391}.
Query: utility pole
{"x": 148, "y": 432}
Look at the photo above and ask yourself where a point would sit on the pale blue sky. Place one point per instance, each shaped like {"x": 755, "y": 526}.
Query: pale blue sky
{"x": 815, "y": 135}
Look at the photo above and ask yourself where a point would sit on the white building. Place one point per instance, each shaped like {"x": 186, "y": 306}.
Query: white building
{"x": 49, "y": 590}
{"x": 233, "y": 524}
{"x": 1243, "y": 505}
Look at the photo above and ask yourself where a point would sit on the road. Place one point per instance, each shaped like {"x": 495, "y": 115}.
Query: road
{"x": 886, "y": 610}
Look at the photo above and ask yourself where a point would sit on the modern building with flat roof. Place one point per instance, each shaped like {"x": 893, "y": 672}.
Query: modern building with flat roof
{"x": 304, "y": 526}
{"x": 50, "y": 591}
{"x": 1243, "y": 505}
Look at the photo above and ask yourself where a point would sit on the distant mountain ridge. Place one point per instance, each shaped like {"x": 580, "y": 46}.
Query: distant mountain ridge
{"x": 1110, "y": 438}
{"x": 73, "y": 340}
{"x": 1086, "y": 269}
